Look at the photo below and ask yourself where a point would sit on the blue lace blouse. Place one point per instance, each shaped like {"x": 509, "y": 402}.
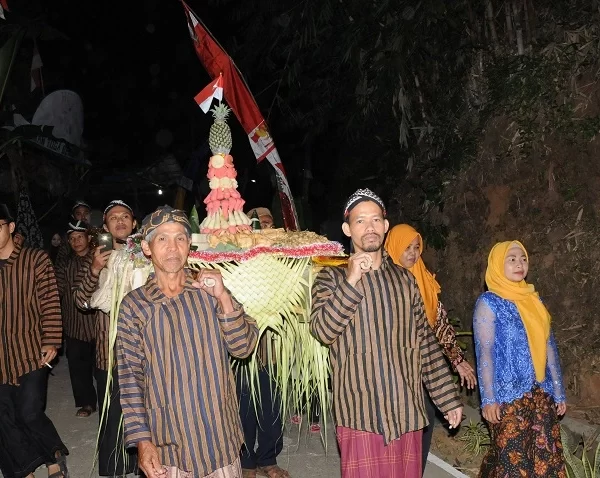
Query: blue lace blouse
{"x": 504, "y": 366}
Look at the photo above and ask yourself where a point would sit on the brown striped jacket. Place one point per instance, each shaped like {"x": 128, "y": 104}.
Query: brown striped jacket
{"x": 86, "y": 284}
{"x": 177, "y": 386}
{"x": 382, "y": 350}
{"x": 29, "y": 312}
{"x": 77, "y": 324}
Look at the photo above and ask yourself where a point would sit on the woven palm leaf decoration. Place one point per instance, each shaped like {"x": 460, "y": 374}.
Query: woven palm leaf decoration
{"x": 276, "y": 292}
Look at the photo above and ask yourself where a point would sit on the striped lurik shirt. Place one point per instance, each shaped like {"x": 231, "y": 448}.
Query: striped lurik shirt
{"x": 29, "y": 312}
{"x": 86, "y": 285}
{"x": 177, "y": 386}
{"x": 77, "y": 324}
{"x": 382, "y": 350}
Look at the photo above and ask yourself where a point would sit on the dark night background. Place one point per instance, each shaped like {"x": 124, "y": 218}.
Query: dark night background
{"x": 135, "y": 68}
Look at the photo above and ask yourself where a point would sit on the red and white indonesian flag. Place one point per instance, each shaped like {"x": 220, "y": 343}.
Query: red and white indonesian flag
{"x": 220, "y": 66}
{"x": 213, "y": 91}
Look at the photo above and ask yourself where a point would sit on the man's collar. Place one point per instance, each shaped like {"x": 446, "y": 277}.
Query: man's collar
{"x": 17, "y": 246}
{"x": 81, "y": 257}
{"x": 385, "y": 260}
{"x": 157, "y": 295}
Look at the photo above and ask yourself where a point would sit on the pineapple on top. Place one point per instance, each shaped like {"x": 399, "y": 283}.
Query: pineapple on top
{"x": 219, "y": 136}
{"x": 224, "y": 205}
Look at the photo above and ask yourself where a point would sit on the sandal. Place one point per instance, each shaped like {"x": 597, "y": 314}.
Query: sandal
{"x": 248, "y": 472}
{"x": 85, "y": 412}
{"x": 63, "y": 472}
{"x": 273, "y": 471}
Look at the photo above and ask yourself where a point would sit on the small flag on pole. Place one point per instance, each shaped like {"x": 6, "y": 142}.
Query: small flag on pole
{"x": 36, "y": 69}
{"x": 3, "y": 7}
{"x": 213, "y": 91}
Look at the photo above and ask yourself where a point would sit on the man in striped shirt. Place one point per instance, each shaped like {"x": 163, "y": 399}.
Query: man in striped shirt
{"x": 119, "y": 220}
{"x": 382, "y": 350}
{"x": 80, "y": 211}
{"x": 30, "y": 335}
{"x": 175, "y": 335}
{"x": 78, "y": 326}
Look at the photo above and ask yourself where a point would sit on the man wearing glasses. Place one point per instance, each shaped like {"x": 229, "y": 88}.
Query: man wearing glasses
{"x": 30, "y": 334}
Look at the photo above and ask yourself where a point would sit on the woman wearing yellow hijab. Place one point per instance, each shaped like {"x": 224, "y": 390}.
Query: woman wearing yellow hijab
{"x": 404, "y": 246}
{"x": 519, "y": 372}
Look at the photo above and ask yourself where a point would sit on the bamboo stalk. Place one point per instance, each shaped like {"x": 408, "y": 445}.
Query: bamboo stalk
{"x": 420, "y": 93}
{"x": 509, "y": 26}
{"x": 528, "y": 34}
{"x": 489, "y": 16}
{"x": 518, "y": 27}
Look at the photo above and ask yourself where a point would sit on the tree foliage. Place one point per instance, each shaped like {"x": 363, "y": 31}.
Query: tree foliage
{"x": 372, "y": 88}
{"x": 392, "y": 94}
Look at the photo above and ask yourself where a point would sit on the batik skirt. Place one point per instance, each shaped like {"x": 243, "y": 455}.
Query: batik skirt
{"x": 526, "y": 443}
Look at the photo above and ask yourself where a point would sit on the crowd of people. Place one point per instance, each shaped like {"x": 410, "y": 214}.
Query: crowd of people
{"x": 176, "y": 409}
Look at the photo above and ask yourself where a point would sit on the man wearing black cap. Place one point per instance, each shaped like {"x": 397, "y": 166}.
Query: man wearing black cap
{"x": 79, "y": 326}
{"x": 119, "y": 220}
{"x": 81, "y": 211}
{"x": 382, "y": 351}
{"x": 30, "y": 335}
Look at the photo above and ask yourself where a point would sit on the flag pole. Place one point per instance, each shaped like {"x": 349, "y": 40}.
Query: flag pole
{"x": 236, "y": 91}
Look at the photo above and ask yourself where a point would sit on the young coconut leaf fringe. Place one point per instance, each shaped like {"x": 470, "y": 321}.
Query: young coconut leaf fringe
{"x": 123, "y": 273}
{"x": 276, "y": 292}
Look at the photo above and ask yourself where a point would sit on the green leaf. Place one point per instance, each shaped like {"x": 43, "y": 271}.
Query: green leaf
{"x": 194, "y": 221}
{"x": 569, "y": 447}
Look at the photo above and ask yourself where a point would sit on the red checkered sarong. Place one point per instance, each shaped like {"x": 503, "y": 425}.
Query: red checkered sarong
{"x": 364, "y": 455}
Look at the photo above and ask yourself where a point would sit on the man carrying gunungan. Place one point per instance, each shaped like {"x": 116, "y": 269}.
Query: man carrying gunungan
{"x": 175, "y": 336}
{"x": 382, "y": 351}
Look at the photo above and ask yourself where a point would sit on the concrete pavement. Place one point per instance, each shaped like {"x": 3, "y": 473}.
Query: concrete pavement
{"x": 303, "y": 455}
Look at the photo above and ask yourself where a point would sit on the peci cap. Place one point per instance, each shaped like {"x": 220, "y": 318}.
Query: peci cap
{"x": 115, "y": 203}
{"x": 80, "y": 203}
{"x": 77, "y": 226}
{"x": 363, "y": 195}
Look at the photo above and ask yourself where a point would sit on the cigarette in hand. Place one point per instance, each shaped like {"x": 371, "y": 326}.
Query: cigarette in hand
{"x": 46, "y": 363}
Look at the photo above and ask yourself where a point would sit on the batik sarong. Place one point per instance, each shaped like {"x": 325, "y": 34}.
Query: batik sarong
{"x": 526, "y": 442}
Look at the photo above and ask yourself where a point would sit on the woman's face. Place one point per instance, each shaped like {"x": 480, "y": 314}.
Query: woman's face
{"x": 516, "y": 265}
{"x": 411, "y": 255}
{"x": 55, "y": 240}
